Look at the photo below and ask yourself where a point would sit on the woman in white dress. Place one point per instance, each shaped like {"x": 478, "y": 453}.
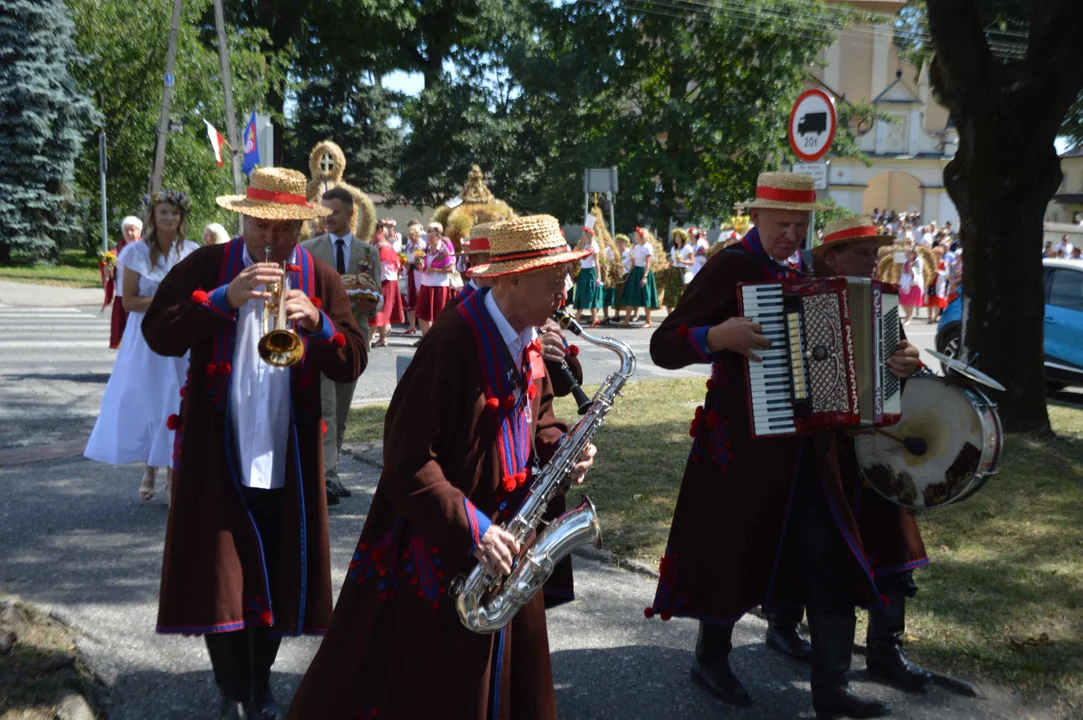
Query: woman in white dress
{"x": 144, "y": 388}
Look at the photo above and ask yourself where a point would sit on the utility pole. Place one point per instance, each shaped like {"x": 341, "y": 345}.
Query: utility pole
{"x": 231, "y": 116}
{"x": 103, "y": 166}
{"x": 167, "y": 98}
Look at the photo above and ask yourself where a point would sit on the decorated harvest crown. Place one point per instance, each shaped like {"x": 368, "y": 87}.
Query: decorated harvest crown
{"x": 173, "y": 197}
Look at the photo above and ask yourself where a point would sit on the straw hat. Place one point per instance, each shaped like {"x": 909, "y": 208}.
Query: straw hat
{"x": 525, "y": 244}
{"x": 478, "y": 242}
{"x": 848, "y": 230}
{"x": 784, "y": 191}
{"x": 274, "y": 194}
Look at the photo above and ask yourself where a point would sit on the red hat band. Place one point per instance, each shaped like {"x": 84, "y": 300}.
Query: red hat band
{"x": 854, "y": 233}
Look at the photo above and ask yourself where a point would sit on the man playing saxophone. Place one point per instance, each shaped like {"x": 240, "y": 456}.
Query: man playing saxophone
{"x": 472, "y": 419}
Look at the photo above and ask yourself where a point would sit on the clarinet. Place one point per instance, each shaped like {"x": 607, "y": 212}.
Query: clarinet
{"x": 561, "y": 370}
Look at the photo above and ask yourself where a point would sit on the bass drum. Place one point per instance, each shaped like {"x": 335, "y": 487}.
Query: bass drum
{"x": 962, "y": 431}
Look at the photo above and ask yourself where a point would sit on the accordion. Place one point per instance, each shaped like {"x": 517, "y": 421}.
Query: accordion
{"x": 830, "y": 340}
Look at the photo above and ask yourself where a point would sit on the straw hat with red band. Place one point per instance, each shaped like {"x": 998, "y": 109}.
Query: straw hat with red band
{"x": 784, "y": 191}
{"x": 478, "y": 242}
{"x": 525, "y": 244}
{"x": 848, "y": 230}
{"x": 274, "y": 194}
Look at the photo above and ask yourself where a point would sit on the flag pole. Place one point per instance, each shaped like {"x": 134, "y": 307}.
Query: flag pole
{"x": 227, "y": 87}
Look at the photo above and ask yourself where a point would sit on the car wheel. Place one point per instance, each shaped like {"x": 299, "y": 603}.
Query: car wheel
{"x": 948, "y": 343}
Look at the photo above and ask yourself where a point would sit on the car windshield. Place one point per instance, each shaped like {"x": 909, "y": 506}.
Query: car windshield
{"x": 1066, "y": 289}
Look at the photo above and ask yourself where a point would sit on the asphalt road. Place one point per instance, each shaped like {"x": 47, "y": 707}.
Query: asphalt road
{"x": 73, "y": 536}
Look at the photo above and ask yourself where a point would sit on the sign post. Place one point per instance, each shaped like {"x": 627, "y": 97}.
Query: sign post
{"x": 812, "y": 127}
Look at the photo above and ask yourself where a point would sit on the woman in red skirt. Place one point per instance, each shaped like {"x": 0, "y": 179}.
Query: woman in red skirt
{"x": 937, "y": 297}
{"x": 435, "y": 277}
{"x": 389, "y": 283}
{"x": 415, "y": 254}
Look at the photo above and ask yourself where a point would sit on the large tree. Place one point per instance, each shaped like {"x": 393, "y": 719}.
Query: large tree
{"x": 1009, "y": 108}
{"x": 44, "y": 119}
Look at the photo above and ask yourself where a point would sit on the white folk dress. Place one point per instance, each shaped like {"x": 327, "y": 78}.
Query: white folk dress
{"x": 144, "y": 387}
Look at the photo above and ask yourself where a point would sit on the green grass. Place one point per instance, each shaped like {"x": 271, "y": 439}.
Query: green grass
{"x": 366, "y": 424}
{"x": 73, "y": 270}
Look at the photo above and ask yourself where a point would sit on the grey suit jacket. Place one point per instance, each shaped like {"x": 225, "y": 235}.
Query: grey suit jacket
{"x": 364, "y": 257}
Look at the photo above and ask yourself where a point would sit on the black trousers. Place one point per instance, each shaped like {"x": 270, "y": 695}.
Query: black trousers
{"x": 242, "y": 659}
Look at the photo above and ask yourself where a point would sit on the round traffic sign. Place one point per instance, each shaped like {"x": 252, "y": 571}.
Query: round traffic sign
{"x": 812, "y": 125}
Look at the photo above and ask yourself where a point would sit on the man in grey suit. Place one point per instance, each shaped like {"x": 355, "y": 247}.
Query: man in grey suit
{"x": 340, "y": 249}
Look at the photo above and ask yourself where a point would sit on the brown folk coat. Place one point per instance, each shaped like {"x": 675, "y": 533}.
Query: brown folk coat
{"x": 213, "y": 576}
{"x": 725, "y": 553}
{"x": 396, "y": 648}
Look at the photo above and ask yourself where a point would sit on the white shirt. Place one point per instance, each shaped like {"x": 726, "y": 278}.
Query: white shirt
{"x": 626, "y": 260}
{"x": 516, "y": 342}
{"x": 640, "y": 253}
{"x": 347, "y": 238}
{"x": 685, "y": 255}
{"x": 259, "y": 397}
{"x": 1065, "y": 246}
{"x": 698, "y": 261}
{"x": 591, "y": 260}
{"x": 437, "y": 279}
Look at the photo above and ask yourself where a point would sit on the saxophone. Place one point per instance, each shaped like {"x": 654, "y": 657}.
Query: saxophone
{"x": 486, "y": 603}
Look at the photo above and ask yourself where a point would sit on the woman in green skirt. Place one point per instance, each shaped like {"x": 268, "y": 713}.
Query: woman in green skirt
{"x": 640, "y": 290}
{"x": 588, "y": 286}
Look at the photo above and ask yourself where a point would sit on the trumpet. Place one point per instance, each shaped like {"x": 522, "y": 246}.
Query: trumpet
{"x": 281, "y": 346}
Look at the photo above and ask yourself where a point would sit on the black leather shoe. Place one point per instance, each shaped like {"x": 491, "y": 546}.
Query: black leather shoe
{"x": 265, "y": 707}
{"x": 711, "y": 669}
{"x": 787, "y": 640}
{"x": 233, "y": 710}
{"x": 332, "y": 495}
{"x": 889, "y": 664}
{"x": 842, "y": 702}
{"x": 339, "y": 488}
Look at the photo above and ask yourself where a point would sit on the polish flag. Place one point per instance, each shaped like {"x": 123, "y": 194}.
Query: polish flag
{"x": 217, "y": 141}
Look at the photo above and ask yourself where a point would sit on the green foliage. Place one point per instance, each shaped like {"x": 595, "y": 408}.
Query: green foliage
{"x": 44, "y": 118}
{"x": 125, "y": 44}
{"x": 834, "y": 212}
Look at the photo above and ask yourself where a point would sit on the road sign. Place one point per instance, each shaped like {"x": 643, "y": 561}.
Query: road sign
{"x": 812, "y": 125}
{"x": 176, "y": 126}
{"x": 169, "y": 80}
{"x": 817, "y": 171}
{"x": 600, "y": 180}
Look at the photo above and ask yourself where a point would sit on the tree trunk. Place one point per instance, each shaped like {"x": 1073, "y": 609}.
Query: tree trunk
{"x": 1001, "y": 196}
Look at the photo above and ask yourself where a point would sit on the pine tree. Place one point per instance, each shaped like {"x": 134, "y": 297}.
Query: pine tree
{"x": 44, "y": 119}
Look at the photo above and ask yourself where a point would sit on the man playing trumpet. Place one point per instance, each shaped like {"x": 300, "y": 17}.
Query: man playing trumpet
{"x": 246, "y": 550}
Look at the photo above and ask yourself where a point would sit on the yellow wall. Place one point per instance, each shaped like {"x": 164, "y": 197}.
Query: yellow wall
{"x": 855, "y": 58}
{"x": 892, "y": 191}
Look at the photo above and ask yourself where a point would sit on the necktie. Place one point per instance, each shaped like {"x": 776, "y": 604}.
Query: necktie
{"x": 340, "y": 256}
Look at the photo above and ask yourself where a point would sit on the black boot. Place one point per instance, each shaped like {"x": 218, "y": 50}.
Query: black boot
{"x": 832, "y": 645}
{"x": 711, "y": 669}
{"x": 784, "y": 636}
{"x": 264, "y": 651}
{"x": 231, "y": 662}
{"x": 886, "y": 659}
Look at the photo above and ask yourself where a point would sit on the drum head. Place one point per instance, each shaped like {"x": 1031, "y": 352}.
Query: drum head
{"x": 966, "y": 371}
{"x": 942, "y": 415}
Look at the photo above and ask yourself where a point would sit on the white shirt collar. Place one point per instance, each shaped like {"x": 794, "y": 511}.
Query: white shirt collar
{"x": 516, "y": 342}
{"x": 336, "y": 238}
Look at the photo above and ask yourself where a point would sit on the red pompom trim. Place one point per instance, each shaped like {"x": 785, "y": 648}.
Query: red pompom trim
{"x": 316, "y": 303}
{"x": 648, "y": 612}
{"x": 711, "y": 418}
{"x": 683, "y": 331}
{"x": 172, "y": 422}
{"x": 520, "y": 478}
{"x": 338, "y": 340}
{"x": 183, "y": 390}
{"x": 665, "y": 615}
{"x": 699, "y": 412}
{"x": 885, "y": 601}
{"x": 710, "y": 384}
{"x": 224, "y": 368}
{"x": 508, "y": 481}
{"x": 509, "y": 402}
{"x": 293, "y": 268}
{"x": 323, "y": 427}
{"x": 532, "y": 392}
{"x": 211, "y": 370}
{"x": 266, "y": 618}
{"x": 199, "y": 297}
{"x": 492, "y": 404}
{"x": 573, "y": 350}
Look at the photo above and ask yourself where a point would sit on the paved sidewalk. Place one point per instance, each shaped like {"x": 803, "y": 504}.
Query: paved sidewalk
{"x": 29, "y": 295}
{"x": 76, "y": 539}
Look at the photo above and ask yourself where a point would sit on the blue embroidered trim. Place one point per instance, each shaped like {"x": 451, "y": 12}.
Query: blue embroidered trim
{"x": 498, "y": 675}
{"x": 302, "y": 605}
{"x": 479, "y": 524}
{"x": 325, "y": 332}
{"x": 667, "y": 601}
{"x": 912, "y": 565}
{"x": 697, "y": 336}
{"x": 217, "y": 303}
{"x": 387, "y": 563}
{"x": 200, "y": 629}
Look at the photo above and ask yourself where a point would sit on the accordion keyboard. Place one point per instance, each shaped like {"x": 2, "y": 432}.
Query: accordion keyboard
{"x": 776, "y": 385}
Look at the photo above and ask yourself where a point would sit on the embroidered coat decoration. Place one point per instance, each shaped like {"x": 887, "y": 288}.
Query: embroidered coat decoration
{"x": 213, "y": 575}
{"x": 725, "y": 553}
{"x": 396, "y": 647}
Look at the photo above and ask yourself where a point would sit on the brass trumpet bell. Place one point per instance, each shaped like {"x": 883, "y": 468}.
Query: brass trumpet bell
{"x": 281, "y": 347}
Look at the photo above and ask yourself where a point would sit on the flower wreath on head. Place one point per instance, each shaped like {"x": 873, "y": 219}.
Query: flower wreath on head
{"x": 173, "y": 197}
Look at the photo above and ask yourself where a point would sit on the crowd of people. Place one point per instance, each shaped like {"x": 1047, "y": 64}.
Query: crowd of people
{"x": 255, "y": 446}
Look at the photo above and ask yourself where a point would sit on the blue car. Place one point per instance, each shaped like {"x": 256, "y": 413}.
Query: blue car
{"x": 1063, "y": 324}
